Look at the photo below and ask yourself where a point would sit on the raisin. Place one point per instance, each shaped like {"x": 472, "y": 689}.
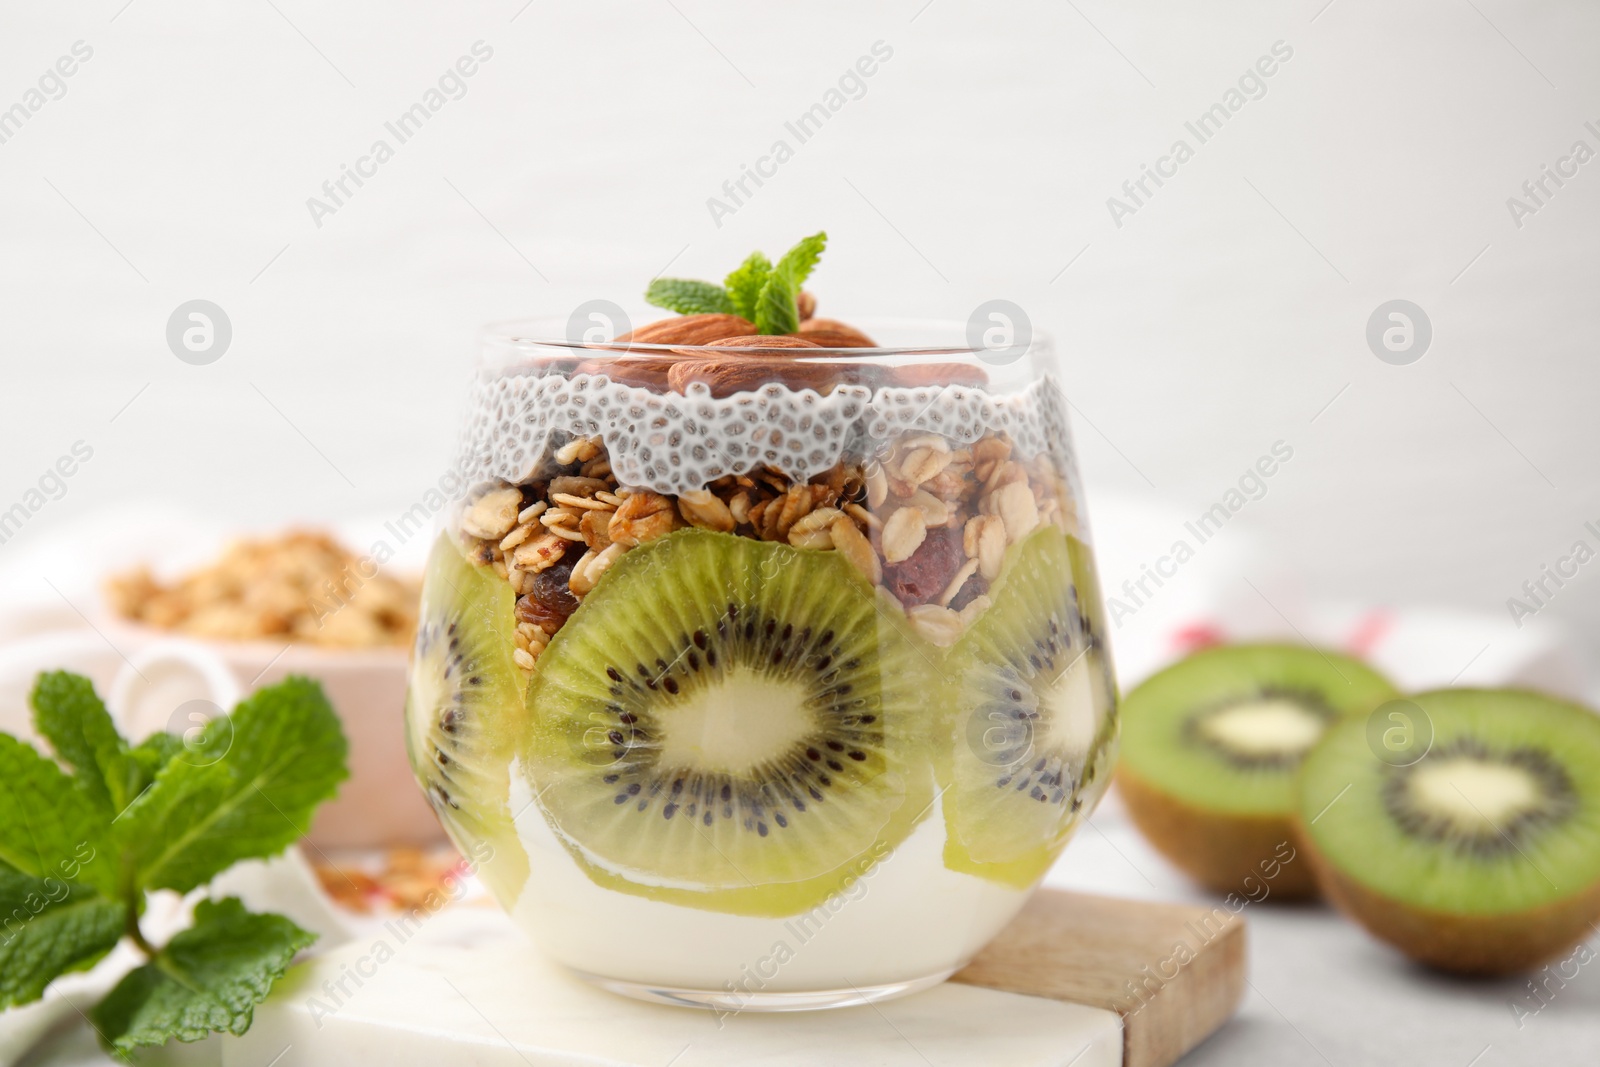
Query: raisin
{"x": 922, "y": 578}
{"x": 551, "y": 601}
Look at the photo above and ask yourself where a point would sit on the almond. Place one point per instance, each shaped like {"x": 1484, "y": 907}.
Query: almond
{"x": 831, "y": 339}
{"x": 689, "y": 330}
{"x": 806, "y": 305}
{"x": 739, "y": 374}
{"x": 761, "y": 341}
{"x": 641, "y": 372}
{"x": 921, "y": 374}
{"x": 831, "y": 333}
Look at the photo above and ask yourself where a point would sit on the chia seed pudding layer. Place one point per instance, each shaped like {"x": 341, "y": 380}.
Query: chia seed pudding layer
{"x": 922, "y": 487}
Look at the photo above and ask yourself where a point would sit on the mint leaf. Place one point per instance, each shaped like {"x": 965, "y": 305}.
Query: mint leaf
{"x": 208, "y": 978}
{"x": 800, "y": 260}
{"x": 72, "y": 718}
{"x": 49, "y": 926}
{"x": 776, "y": 311}
{"x": 245, "y": 789}
{"x": 744, "y": 284}
{"x": 78, "y": 851}
{"x": 689, "y": 297}
{"x": 48, "y": 827}
{"x": 152, "y": 754}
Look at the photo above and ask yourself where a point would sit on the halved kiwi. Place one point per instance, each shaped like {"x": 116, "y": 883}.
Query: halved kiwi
{"x": 1032, "y": 729}
{"x": 729, "y": 724}
{"x": 1479, "y": 852}
{"x": 464, "y": 712}
{"x": 1210, "y": 748}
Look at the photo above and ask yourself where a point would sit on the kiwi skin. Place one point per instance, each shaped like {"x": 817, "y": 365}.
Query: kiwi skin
{"x": 1475, "y": 945}
{"x": 1221, "y": 852}
{"x": 1221, "y": 849}
{"x": 1491, "y": 944}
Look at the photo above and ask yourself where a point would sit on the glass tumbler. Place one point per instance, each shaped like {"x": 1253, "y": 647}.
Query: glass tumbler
{"x": 763, "y": 678}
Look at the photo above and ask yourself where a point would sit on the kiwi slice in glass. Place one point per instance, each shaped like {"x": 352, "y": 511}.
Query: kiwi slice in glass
{"x": 1032, "y": 726}
{"x": 729, "y": 724}
{"x": 1210, "y": 749}
{"x": 464, "y": 712}
{"x": 1476, "y": 851}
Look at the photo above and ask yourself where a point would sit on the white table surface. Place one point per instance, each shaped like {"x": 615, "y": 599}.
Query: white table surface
{"x": 1321, "y": 991}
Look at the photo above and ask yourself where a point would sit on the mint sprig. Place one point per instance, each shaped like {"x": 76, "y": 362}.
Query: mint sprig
{"x": 207, "y": 978}
{"x": 84, "y": 836}
{"x": 757, "y": 290}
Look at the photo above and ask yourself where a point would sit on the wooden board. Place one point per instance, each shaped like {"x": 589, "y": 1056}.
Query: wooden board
{"x": 1175, "y": 973}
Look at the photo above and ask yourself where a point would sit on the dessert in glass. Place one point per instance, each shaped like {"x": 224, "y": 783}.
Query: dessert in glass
{"x": 762, "y": 665}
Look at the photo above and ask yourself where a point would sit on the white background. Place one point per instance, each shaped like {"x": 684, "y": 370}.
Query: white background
{"x": 1228, "y": 313}
{"x": 977, "y": 165}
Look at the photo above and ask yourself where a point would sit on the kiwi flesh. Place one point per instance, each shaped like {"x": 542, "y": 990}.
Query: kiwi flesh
{"x": 1032, "y": 728}
{"x": 728, "y": 724}
{"x": 464, "y": 712}
{"x": 1479, "y": 853}
{"x": 1210, "y": 749}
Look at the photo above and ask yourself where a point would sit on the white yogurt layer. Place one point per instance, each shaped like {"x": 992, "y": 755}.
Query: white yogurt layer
{"x": 907, "y": 917}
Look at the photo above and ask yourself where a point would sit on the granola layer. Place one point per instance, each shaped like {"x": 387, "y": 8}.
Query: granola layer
{"x": 927, "y": 521}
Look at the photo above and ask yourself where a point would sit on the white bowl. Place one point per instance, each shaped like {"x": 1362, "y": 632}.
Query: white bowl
{"x": 379, "y": 806}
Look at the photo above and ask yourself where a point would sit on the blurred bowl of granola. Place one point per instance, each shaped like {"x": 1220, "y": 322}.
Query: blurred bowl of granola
{"x": 299, "y": 603}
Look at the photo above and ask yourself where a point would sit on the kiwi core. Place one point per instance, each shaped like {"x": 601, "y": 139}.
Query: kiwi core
{"x": 1480, "y": 799}
{"x": 712, "y": 728}
{"x": 1475, "y": 796}
{"x": 1265, "y": 729}
{"x": 1072, "y": 707}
